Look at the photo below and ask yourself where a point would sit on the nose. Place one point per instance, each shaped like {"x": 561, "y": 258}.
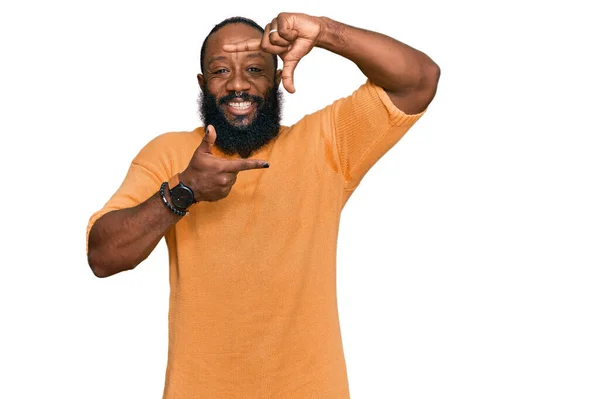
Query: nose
{"x": 237, "y": 82}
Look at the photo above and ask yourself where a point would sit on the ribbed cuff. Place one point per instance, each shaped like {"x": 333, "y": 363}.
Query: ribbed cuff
{"x": 397, "y": 116}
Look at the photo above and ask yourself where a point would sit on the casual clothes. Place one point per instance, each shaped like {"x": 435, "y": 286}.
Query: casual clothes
{"x": 253, "y": 306}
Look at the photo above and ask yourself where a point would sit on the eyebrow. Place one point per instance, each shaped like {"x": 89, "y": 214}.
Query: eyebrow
{"x": 217, "y": 58}
{"x": 222, "y": 57}
{"x": 255, "y": 55}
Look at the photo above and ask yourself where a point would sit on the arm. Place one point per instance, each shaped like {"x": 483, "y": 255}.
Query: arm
{"x": 408, "y": 76}
{"x": 124, "y": 236}
{"x": 401, "y": 83}
{"x": 122, "y": 239}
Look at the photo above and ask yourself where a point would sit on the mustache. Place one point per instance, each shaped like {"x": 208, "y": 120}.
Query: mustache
{"x": 245, "y": 97}
{"x": 243, "y": 140}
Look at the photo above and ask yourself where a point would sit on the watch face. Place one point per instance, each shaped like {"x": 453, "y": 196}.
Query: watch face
{"x": 182, "y": 197}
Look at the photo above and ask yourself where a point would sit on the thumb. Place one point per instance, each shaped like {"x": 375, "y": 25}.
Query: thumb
{"x": 287, "y": 75}
{"x": 210, "y": 136}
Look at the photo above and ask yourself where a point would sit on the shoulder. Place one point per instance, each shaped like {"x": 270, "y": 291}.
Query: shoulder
{"x": 361, "y": 94}
{"x": 175, "y": 139}
{"x": 372, "y": 103}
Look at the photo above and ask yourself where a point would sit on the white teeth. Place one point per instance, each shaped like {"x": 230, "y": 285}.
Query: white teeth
{"x": 242, "y": 105}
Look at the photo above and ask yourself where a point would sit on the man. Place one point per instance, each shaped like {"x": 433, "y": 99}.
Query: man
{"x": 253, "y": 311}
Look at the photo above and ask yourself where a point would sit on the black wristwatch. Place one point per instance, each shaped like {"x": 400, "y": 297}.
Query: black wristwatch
{"x": 182, "y": 196}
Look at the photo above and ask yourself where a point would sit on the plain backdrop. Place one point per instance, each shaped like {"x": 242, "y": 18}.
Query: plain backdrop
{"x": 468, "y": 258}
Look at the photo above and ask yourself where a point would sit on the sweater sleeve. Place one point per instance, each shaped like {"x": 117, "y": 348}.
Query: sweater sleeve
{"x": 366, "y": 125}
{"x": 147, "y": 171}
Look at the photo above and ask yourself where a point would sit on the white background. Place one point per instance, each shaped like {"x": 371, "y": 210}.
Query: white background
{"x": 468, "y": 262}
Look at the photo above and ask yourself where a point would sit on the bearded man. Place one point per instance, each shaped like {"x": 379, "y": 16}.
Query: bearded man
{"x": 252, "y": 252}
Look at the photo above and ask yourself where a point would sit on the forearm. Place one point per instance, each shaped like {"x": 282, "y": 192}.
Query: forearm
{"x": 400, "y": 69}
{"x": 120, "y": 240}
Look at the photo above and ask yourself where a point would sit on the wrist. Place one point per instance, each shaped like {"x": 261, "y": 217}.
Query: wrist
{"x": 181, "y": 178}
{"x": 167, "y": 200}
{"x": 184, "y": 179}
{"x": 171, "y": 183}
{"x": 330, "y": 35}
{"x": 167, "y": 194}
{"x": 181, "y": 195}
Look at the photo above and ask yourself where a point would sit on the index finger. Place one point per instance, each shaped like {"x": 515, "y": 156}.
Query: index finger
{"x": 237, "y": 165}
{"x": 246, "y": 45}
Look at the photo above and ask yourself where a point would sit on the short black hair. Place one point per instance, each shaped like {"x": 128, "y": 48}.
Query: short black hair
{"x": 228, "y": 21}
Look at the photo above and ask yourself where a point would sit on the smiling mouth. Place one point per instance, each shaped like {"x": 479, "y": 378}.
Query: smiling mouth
{"x": 240, "y": 107}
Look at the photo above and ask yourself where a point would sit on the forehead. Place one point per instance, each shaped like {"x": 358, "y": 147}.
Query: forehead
{"x": 232, "y": 33}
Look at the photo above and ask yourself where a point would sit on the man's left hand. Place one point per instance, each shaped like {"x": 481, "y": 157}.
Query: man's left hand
{"x": 291, "y": 36}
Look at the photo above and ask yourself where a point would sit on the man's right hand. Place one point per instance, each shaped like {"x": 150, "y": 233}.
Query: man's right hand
{"x": 211, "y": 178}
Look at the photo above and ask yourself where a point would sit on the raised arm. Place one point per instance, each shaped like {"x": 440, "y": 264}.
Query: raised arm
{"x": 409, "y": 76}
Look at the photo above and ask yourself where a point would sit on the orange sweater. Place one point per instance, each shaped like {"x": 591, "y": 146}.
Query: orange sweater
{"x": 253, "y": 304}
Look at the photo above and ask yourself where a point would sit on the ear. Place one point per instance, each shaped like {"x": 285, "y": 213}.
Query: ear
{"x": 200, "y": 80}
{"x": 278, "y": 77}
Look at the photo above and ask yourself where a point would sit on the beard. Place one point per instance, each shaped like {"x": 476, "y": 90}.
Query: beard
{"x": 245, "y": 138}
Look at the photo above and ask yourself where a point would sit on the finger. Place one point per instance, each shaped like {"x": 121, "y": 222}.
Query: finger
{"x": 273, "y": 36}
{"x": 285, "y": 27}
{"x": 287, "y": 75}
{"x": 237, "y": 165}
{"x": 246, "y": 45}
{"x": 267, "y": 46}
{"x": 210, "y": 136}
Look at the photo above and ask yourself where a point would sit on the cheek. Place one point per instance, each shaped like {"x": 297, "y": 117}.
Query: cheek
{"x": 262, "y": 86}
{"x": 215, "y": 86}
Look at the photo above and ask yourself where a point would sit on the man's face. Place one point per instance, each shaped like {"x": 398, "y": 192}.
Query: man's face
{"x": 249, "y": 119}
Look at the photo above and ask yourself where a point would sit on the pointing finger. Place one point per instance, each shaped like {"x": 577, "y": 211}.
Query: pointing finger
{"x": 246, "y": 45}
{"x": 237, "y": 165}
{"x": 210, "y": 136}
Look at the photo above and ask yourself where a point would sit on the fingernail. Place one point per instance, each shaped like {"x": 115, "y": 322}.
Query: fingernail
{"x": 265, "y": 165}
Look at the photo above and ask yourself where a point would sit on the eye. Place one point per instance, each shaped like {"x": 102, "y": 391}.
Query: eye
{"x": 220, "y": 71}
{"x": 254, "y": 69}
